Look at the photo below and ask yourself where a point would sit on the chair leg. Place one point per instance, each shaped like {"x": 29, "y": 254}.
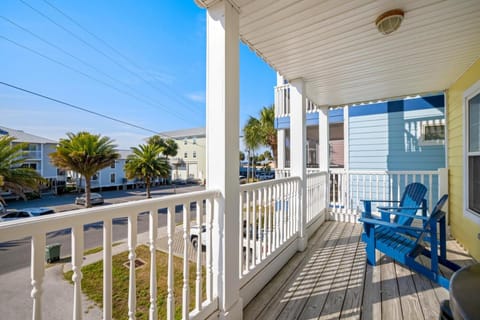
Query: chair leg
{"x": 370, "y": 248}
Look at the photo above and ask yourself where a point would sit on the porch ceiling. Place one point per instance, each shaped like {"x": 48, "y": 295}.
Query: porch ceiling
{"x": 335, "y": 46}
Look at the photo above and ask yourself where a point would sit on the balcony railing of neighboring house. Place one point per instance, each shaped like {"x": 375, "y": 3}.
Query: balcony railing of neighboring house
{"x": 33, "y": 155}
{"x": 348, "y": 188}
{"x": 270, "y": 222}
{"x": 282, "y": 102}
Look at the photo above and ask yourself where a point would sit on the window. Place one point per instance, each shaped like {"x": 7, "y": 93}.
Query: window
{"x": 472, "y": 152}
{"x": 185, "y": 141}
{"x": 95, "y": 176}
{"x": 194, "y": 154}
{"x": 433, "y": 133}
{"x": 194, "y": 141}
{"x": 112, "y": 165}
{"x": 112, "y": 177}
{"x": 185, "y": 155}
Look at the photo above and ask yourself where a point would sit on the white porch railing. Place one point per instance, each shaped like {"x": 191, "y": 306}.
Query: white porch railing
{"x": 316, "y": 194}
{"x": 269, "y": 224}
{"x": 37, "y": 229}
{"x": 347, "y": 189}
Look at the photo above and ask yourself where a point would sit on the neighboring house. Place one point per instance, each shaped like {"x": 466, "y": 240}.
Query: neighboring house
{"x": 190, "y": 162}
{"x": 111, "y": 177}
{"x": 401, "y": 134}
{"x": 38, "y": 149}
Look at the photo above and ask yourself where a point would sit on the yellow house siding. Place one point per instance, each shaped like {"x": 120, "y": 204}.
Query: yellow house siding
{"x": 462, "y": 228}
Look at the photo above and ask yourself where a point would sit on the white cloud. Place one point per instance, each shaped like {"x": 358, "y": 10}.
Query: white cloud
{"x": 196, "y": 96}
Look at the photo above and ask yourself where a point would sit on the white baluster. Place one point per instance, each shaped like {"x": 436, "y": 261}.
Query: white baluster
{"x": 254, "y": 229}
{"x": 240, "y": 232}
{"x": 209, "y": 216}
{"x": 247, "y": 230}
{"x": 37, "y": 273}
{"x": 107, "y": 269}
{"x": 186, "y": 262}
{"x": 153, "y": 230}
{"x": 132, "y": 287}
{"x": 77, "y": 259}
{"x": 198, "y": 280}
{"x": 170, "y": 292}
{"x": 269, "y": 219}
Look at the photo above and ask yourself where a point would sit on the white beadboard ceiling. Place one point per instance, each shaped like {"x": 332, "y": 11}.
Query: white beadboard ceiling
{"x": 335, "y": 47}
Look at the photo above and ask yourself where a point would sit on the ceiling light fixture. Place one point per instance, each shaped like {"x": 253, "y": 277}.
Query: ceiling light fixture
{"x": 389, "y": 21}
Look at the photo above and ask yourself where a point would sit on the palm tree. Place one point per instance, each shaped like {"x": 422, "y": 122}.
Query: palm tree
{"x": 267, "y": 127}
{"x": 261, "y": 132}
{"x": 12, "y": 176}
{"x": 86, "y": 154}
{"x": 145, "y": 163}
{"x": 252, "y": 138}
{"x": 168, "y": 147}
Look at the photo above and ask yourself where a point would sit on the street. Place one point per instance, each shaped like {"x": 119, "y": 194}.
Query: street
{"x": 16, "y": 254}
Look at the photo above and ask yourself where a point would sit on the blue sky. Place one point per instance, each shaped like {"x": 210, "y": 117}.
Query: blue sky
{"x": 153, "y": 77}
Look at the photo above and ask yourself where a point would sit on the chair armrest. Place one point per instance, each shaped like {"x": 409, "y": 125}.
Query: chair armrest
{"x": 410, "y": 216}
{"x": 393, "y": 226}
{"x": 391, "y": 201}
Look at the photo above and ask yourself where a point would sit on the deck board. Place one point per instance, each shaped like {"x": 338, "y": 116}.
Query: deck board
{"x": 331, "y": 280}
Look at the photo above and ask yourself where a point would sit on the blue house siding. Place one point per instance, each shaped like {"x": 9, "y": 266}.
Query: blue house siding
{"x": 381, "y": 140}
{"x": 386, "y": 137}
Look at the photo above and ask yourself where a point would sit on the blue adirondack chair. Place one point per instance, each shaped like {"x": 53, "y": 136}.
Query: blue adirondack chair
{"x": 405, "y": 243}
{"x": 413, "y": 199}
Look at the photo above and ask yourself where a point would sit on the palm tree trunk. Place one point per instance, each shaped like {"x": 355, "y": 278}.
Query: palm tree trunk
{"x": 87, "y": 192}
{"x": 147, "y": 182}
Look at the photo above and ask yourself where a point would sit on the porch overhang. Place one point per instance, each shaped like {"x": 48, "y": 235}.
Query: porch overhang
{"x": 341, "y": 56}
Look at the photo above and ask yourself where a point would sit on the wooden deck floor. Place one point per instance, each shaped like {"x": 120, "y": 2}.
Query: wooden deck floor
{"x": 331, "y": 280}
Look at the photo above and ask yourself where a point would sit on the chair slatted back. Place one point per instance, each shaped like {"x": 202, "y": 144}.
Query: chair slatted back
{"x": 412, "y": 198}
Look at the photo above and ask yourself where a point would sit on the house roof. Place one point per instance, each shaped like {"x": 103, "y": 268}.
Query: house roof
{"x": 21, "y": 136}
{"x": 124, "y": 153}
{"x": 342, "y": 57}
{"x": 184, "y": 133}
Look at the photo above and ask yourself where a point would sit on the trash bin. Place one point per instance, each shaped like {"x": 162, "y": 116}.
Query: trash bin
{"x": 52, "y": 252}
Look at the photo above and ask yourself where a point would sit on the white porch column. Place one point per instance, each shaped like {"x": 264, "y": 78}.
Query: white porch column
{"x": 298, "y": 159}
{"x": 281, "y": 149}
{"x": 222, "y": 152}
{"x": 323, "y": 138}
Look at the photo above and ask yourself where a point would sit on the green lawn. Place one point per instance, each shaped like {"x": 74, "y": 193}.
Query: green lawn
{"x": 92, "y": 284}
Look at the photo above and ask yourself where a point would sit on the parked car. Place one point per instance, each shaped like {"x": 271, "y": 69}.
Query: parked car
{"x": 3, "y": 210}
{"x": 179, "y": 181}
{"x": 195, "y": 230}
{"x": 193, "y": 181}
{"x": 26, "y": 213}
{"x": 41, "y": 211}
{"x": 95, "y": 198}
{"x": 242, "y": 179}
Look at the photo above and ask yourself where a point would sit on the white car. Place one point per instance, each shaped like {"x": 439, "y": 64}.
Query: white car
{"x": 26, "y": 213}
{"x": 195, "y": 230}
{"x": 95, "y": 198}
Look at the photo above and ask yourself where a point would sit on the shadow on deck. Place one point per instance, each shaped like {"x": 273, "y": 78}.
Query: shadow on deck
{"x": 331, "y": 280}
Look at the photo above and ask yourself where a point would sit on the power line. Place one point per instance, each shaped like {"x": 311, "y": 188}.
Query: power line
{"x": 88, "y": 44}
{"x": 92, "y": 77}
{"x": 117, "y": 52}
{"x": 77, "y": 107}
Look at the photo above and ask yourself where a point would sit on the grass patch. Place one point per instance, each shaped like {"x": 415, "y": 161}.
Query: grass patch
{"x": 92, "y": 284}
{"x": 98, "y": 249}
